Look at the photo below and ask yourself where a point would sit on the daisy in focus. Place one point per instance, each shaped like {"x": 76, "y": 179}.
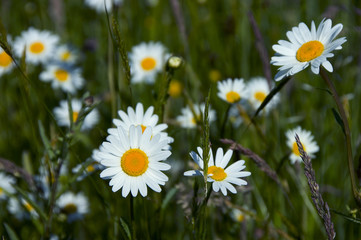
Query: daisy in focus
{"x": 63, "y": 76}
{"x": 258, "y": 90}
{"x": 307, "y": 47}
{"x": 146, "y": 61}
{"x": 73, "y": 205}
{"x": 220, "y": 176}
{"x": 140, "y": 118}
{"x": 6, "y": 185}
{"x": 189, "y": 120}
{"x": 134, "y": 161}
{"x": 66, "y": 54}
{"x": 309, "y": 145}
{"x": 99, "y": 5}
{"x": 6, "y": 63}
{"x": 62, "y": 115}
{"x": 39, "y": 45}
{"x": 231, "y": 91}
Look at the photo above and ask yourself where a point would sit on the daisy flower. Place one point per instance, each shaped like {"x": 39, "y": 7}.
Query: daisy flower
{"x": 231, "y": 91}
{"x": 6, "y": 63}
{"x": 306, "y": 138}
{"x": 220, "y": 176}
{"x": 39, "y": 45}
{"x": 66, "y": 54}
{"x": 188, "y": 120}
{"x": 73, "y": 205}
{"x": 237, "y": 215}
{"x": 133, "y": 161}
{"x": 6, "y": 185}
{"x": 307, "y": 47}
{"x": 17, "y": 206}
{"x": 99, "y": 5}
{"x": 146, "y": 60}
{"x": 62, "y": 114}
{"x": 258, "y": 89}
{"x": 63, "y": 76}
{"x": 93, "y": 164}
{"x": 140, "y": 118}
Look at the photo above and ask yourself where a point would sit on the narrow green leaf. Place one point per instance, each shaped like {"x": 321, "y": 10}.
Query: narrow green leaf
{"x": 46, "y": 141}
{"x": 338, "y": 120}
{"x": 168, "y": 197}
{"x": 39, "y": 211}
{"x": 11, "y": 232}
{"x": 125, "y": 228}
{"x": 355, "y": 220}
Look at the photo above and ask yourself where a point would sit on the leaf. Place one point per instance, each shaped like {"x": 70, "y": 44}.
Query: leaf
{"x": 355, "y": 220}
{"x": 273, "y": 92}
{"x": 11, "y": 232}
{"x": 338, "y": 120}
{"x": 168, "y": 197}
{"x": 125, "y": 228}
{"x": 46, "y": 141}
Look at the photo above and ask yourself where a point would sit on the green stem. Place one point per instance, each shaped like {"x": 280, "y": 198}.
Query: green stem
{"x": 132, "y": 217}
{"x": 341, "y": 110}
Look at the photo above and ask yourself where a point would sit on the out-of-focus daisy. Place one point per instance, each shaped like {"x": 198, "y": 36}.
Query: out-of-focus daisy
{"x": 63, "y": 76}
{"x": 307, "y": 47}
{"x": 66, "y": 54}
{"x": 258, "y": 89}
{"x": 39, "y": 45}
{"x": 6, "y": 185}
{"x": 146, "y": 60}
{"x": 188, "y": 120}
{"x": 220, "y": 176}
{"x": 238, "y": 215}
{"x": 73, "y": 205}
{"x": 99, "y": 5}
{"x": 235, "y": 116}
{"x": 62, "y": 114}
{"x": 306, "y": 138}
{"x": 6, "y": 63}
{"x": 92, "y": 165}
{"x": 232, "y": 91}
{"x": 17, "y": 208}
{"x": 140, "y": 118}
{"x": 175, "y": 88}
{"x": 134, "y": 161}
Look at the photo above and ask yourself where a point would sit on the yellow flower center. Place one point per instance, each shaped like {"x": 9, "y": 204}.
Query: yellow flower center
{"x": 65, "y": 56}
{"x": 5, "y": 59}
{"x": 309, "y": 50}
{"x": 218, "y": 173}
{"x": 240, "y": 217}
{"x": 134, "y": 162}
{"x": 37, "y": 47}
{"x": 175, "y": 88}
{"x": 148, "y": 63}
{"x": 90, "y": 168}
{"x": 61, "y": 75}
{"x": 1, "y": 191}
{"x": 28, "y": 206}
{"x": 214, "y": 75}
{"x": 260, "y": 96}
{"x": 295, "y": 149}
{"x": 232, "y": 97}
{"x": 75, "y": 116}
{"x": 70, "y": 208}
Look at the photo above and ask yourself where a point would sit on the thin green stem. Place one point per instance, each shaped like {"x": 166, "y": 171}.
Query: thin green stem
{"x": 132, "y": 217}
{"x": 341, "y": 110}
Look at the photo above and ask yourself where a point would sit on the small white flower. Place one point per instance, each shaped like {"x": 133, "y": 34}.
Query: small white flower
{"x": 306, "y": 138}
{"x": 66, "y": 54}
{"x": 6, "y": 185}
{"x": 134, "y": 161}
{"x": 232, "y": 91}
{"x": 63, "y": 76}
{"x": 39, "y": 45}
{"x": 140, "y": 118}
{"x": 99, "y": 5}
{"x": 188, "y": 120}
{"x": 62, "y": 114}
{"x": 17, "y": 208}
{"x": 146, "y": 60}
{"x": 73, "y": 204}
{"x": 258, "y": 90}
{"x": 220, "y": 176}
{"x": 306, "y": 48}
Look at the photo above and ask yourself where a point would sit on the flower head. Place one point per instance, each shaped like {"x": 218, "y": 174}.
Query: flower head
{"x": 62, "y": 114}
{"x": 232, "y": 91}
{"x": 140, "y": 118}
{"x": 146, "y": 60}
{"x": 66, "y": 54}
{"x": 306, "y": 138}
{"x": 220, "y": 176}
{"x": 6, "y": 185}
{"x": 257, "y": 91}
{"x": 189, "y": 120}
{"x": 133, "y": 160}
{"x": 307, "y": 47}
{"x": 6, "y": 63}
{"x": 63, "y": 76}
{"x": 39, "y": 45}
{"x": 73, "y": 205}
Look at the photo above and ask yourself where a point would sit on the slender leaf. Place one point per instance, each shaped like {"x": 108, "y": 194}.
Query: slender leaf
{"x": 338, "y": 119}
{"x": 46, "y": 141}
{"x": 355, "y": 220}
{"x": 11, "y": 232}
{"x": 125, "y": 228}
